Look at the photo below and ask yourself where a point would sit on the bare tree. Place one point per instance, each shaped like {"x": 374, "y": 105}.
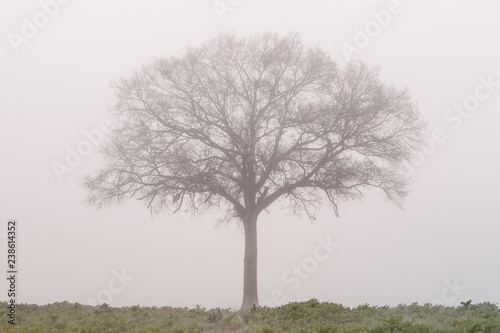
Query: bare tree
{"x": 239, "y": 123}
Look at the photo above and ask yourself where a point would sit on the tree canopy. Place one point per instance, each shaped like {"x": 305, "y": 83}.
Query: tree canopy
{"x": 242, "y": 122}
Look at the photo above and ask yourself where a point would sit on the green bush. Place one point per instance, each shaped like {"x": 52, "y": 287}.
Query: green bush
{"x": 311, "y": 316}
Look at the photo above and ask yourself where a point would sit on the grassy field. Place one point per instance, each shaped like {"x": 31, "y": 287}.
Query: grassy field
{"x": 310, "y": 316}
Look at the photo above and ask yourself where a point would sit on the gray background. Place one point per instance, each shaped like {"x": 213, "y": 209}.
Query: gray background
{"x": 57, "y": 85}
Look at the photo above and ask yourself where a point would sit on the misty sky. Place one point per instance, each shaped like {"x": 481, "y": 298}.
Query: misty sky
{"x": 54, "y": 87}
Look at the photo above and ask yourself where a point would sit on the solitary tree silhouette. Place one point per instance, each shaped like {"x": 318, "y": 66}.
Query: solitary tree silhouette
{"x": 239, "y": 123}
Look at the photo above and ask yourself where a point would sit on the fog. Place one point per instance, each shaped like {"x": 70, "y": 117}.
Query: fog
{"x": 442, "y": 248}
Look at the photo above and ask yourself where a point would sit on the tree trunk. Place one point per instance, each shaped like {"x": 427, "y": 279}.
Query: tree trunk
{"x": 250, "y": 298}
